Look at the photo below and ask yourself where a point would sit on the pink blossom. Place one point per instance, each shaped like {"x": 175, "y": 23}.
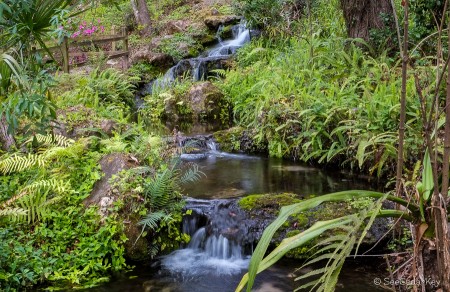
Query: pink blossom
{"x": 98, "y": 21}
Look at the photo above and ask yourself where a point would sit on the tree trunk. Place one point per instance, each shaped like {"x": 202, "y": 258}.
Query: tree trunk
{"x": 6, "y": 139}
{"x": 361, "y": 16}
{"x": 142, "y": 15}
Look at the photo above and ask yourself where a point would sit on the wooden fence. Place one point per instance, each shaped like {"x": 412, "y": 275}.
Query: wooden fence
{"x": 67, "y": 43}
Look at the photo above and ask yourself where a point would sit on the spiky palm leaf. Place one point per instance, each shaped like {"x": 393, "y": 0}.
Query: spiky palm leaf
{"x": 258, "y": 264}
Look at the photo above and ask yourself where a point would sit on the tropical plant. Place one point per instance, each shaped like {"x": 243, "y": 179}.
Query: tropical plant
{"x": 162, "y": 195}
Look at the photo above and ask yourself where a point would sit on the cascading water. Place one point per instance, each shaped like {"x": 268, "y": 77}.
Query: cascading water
{"x": 216, "y": 241}
{"x": 199, "y": 67}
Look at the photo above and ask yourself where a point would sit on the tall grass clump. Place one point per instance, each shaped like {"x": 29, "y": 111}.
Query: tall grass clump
{"x": 322, "y": 99}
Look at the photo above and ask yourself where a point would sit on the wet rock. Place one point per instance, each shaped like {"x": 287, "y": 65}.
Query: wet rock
{"x": 238, "y": 139}
{"x": 244, "y": 220}
{"x": 213, "y": 22}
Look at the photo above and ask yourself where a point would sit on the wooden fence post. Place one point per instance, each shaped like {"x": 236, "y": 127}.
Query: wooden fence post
{"x": 65, "y": 54}
{"x": 113, "y": 44}
{"x": 125, "y": 46}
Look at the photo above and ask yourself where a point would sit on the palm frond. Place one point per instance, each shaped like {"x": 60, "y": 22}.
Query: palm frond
{"x": 351, "y": 224}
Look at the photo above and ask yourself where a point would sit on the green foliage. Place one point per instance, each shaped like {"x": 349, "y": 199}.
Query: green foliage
{"x": 180, "y": 46}
{"x": 144, "y": 71}
{"x": 69, "y": 250}
{"x": 270, "y": 14}
{"x": 255, "y": 202}
{"x": 108, "y": 86}
{"x": 338, "y": 106}
{"x": 333, "y": 250}
{"x": 425, "y": 14}
{"x": 48, "y": 140}
{"x": 72, "y": 247}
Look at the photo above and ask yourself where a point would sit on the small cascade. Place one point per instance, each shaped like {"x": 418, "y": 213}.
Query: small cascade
{"x": 212, "y": 145}
{"x": 216, "y": 245}
{"x": 199, "y": 67}
{"x": 198, "y": 147}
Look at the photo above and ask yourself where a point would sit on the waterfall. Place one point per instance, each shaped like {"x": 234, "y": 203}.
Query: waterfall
{"x": 214, "y": 247}
{"x": 198, "y": 68}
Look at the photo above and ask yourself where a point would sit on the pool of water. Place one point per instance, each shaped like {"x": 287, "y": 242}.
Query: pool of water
{"x": 233, "y": 175}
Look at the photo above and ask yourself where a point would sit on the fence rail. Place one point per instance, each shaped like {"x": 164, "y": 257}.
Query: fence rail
{"x": 64, "y": 48}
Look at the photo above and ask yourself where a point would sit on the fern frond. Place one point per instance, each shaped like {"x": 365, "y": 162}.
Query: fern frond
{"x": 52, "y": 140}
{"x": 17, "y": 163}
{"x": 57, "y": 185}
{"x": 33, "y": 198}
{"x": 152, "y": 219}
{"x": 193, "y": 174}
{"x": 160, "y": 188}
{"x": 14, "y": 214}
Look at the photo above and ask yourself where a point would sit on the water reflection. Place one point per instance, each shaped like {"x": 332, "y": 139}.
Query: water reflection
{"x": 231, "y": 175}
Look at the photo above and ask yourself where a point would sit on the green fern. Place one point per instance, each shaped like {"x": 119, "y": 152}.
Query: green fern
{"x": 152, "y": 219}
{"x": 14, "y": 214}
{"x": 33, "y": 198}
{"x": 159, "y": 189}
{"x": 17, "y": 163}
{"x": 52, "y": 140}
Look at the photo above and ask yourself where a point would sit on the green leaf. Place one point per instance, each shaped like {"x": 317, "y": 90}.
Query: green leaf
{"x": 427, "y": 177}
{"x": 287, "y": 211}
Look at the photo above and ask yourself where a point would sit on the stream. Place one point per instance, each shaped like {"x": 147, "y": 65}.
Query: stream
{"x": 216, "y": 257}
{"x": 214, "y": 261}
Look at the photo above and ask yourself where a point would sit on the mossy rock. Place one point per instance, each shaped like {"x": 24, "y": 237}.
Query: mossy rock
{"x": 271, "y": 202}
{"x": 137, "y": 246}
{"x": 265, "y": 208}
{"x": 239, "y": 139}
{"x": 229, "y": 140}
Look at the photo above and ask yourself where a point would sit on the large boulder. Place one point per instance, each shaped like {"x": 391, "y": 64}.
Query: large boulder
{"x": 202, "y": 102}
{"x": 262, "y": 209}
{"x": 104, "y": 195}
{"x": 111, "y": 164}
{"x": 207, "y": 102}
{"x": 244, "y": 220}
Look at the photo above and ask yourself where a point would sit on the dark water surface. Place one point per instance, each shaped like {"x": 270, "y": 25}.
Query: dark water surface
{"x": 232, "y": 175}
{"x": 356, "y": 276}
